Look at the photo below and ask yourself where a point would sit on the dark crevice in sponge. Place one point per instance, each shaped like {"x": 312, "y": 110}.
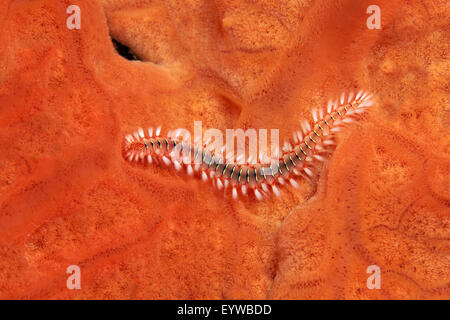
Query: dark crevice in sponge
{"x": 124, "y": 51}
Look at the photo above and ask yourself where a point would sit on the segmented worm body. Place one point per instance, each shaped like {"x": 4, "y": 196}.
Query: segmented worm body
{"x": 297, "y": 158}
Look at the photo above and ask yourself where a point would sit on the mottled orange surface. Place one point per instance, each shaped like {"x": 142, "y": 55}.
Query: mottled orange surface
{"x": 67, "y": 197}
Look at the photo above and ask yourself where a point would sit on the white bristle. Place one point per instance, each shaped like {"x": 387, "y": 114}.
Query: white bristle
{"x": 141, "y": 132}
{"x": 308, "y": 172}
{"x": 336, "y": 129}
{"x": 234, "y": 192}
{"x": 150, "y": 132}
{"x": 244, "y": 189}
{"x": 275, "y": 190}
{"x": 219, "y": 184}
{"x": 158, "y": 131}
{"x": 165, "y": 160}
{"x": 347, "y": 120}
{"x": 177, "y": 165}
{"x": 303, "y": 127}
{"x": 342, "y": 98}
{"x": 360, "y": 110}
{"x": 321, "y": 113}
{"x": 359, "y": 95}
{"x": 366, "y": 104}
{"x": 281, "y": 180}
{"x": 189, "y": 170}
{"x": 363, "y": 97}
{"x": 329, "y": 105}
{"x": 350, "y": 97}
{"x": 293, "y": 183}
{"x": 258, "y": 194}
{"x": 204, "y": 176}
{"x": 320, "y": 158}
{"x": 264, "y": 187}
{"x": 314, "y": 114}
{"x": 335, "y": 104}
{"x": 308, "y": 126}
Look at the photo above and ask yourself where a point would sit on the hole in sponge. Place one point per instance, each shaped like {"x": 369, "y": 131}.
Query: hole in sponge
{"x": 124, "y": 51}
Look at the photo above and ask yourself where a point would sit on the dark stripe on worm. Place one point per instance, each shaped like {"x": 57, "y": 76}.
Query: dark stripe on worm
{"x": 212, "y": 161}
{"x": 303, "y": 151}
{"x": 225, "y": 168}
{"x": 285, "y": 165}
{"x": 292, "y": 161}
{"x": 219, "y": 162}
{"x": 279, "y": 168}
{"x": 232, "y": 172}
